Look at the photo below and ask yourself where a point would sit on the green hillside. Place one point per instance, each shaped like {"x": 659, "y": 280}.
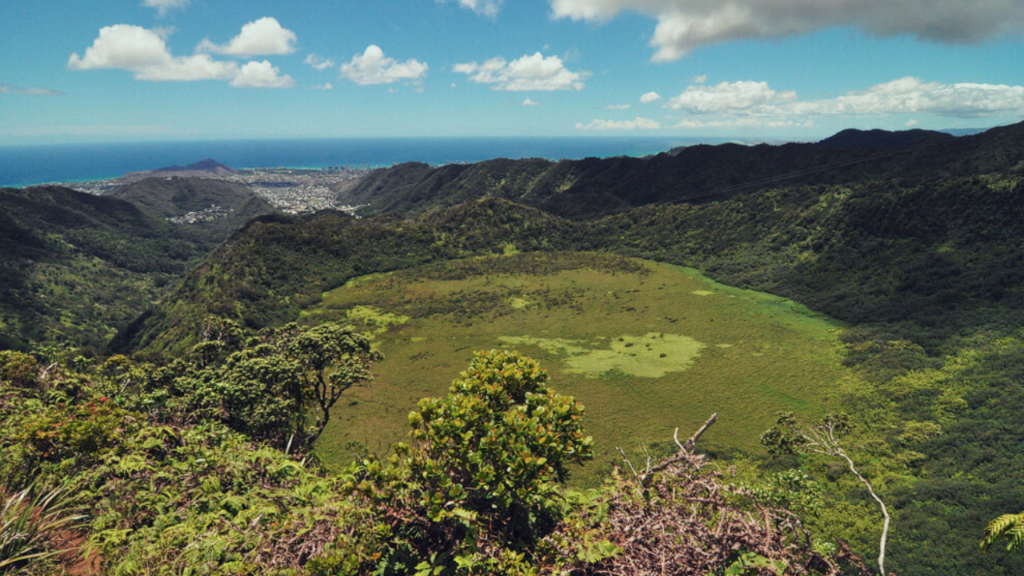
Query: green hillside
{"x": 925, "y": 274}
{"x": 75, "y": 268}
{"x": 595, "y": 187}
{"x": 646, "y": 347}
{"x": 220, "y": 206}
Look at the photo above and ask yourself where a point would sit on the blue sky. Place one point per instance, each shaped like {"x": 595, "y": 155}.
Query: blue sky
{"x": 124, "y": 70}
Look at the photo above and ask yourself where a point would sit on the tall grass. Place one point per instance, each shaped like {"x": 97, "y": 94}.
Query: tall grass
{"x": 33, "y": 528}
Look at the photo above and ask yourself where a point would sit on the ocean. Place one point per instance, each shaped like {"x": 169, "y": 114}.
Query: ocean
{"x": 29, "y": 165}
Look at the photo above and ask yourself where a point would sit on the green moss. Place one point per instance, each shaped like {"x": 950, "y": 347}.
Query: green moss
{"x": 650, "y": 356}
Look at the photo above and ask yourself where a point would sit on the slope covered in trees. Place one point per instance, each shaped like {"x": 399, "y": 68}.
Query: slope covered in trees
{"x": 924, "y": 272}
{"x": 235, "y": 203}
{"x": 596, "y": 187}
{"x": 76, "y": 268}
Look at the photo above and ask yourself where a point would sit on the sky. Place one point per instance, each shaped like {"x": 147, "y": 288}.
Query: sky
{"x": 152, "y": 70}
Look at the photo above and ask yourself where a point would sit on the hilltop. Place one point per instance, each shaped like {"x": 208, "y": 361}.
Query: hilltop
{"x": 217, "y": 206}
{"x": 208, "y": 168}
{"x": 697, "y": 174}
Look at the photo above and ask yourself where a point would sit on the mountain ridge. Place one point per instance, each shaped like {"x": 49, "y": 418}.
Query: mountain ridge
{"x": 593, "y": 187}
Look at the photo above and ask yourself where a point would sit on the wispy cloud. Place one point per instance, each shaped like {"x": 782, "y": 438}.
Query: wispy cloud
{"x": 489, "y": 8}
{"x": 163, "y": 6}
{"x": 28, "y": 90}
{"x": 637, "y": 123}
{"x": 319, "y": 62}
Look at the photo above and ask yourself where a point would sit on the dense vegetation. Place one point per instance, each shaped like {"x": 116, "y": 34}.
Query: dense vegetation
{"x": 911, "y": 241}
{"x": 76, "y": 268}
{"x": 594, "y": 187}
{"x": 159, "y": 473}
{"x": 176, "y": 197}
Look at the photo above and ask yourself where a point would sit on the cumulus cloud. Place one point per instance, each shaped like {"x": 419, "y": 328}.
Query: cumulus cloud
{"x": 637, "y": 123}
{"x": 700, "y": 78}
{"x": 28, "y": 90}
{"x": 914, "y": 96}
{"x": 261, "y": 75}
{"x": 144, "y": 53}
{"x": 325, "y": 87}
{"x": 745, "y": 96}
{"x": 755, "y": 104}
{"x": 687, "y": 24}
{"x": 372, "y": 67}
{"x": 263, "y": 37}
{"x": 912, "y": 123}
{"x": 530, "y": 102}
{"x": 319, "y": 62}
{"x": 162, "y": 6}
{"x": 618, "y": 107}
{"x": 650, "y": 97}
{"x": 527, "y": 73}
{"x": 488, "y": 8}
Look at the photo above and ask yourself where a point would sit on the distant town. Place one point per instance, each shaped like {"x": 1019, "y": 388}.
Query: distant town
{"x": 294, "y": 191}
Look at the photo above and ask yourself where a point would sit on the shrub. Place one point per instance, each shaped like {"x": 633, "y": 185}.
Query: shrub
{"x": 477, "y": 490}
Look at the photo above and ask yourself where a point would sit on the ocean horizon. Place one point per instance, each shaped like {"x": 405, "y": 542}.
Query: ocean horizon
{"x": 30, "y": 165}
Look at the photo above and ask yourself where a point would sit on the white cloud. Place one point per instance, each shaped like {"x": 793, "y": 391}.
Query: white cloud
{"x": 687, "y": 24}
{"x": 28, "y": 90}
{"x": 319, "y": 62}
{"x": 746, "y": 96}
{"x": 744, "y": 123}
{"x": 914, "y": 96}
{"x": 637, "y": 123}
{"x": 530, "y": 102}
{"x": 912, "y": 123}
{"x": 650, "y": 97}
{"x": 261, "y": 75}
{"x": 527, "y": 73}
{"x": 755, "y": 104}
{"x": 325, "y": 87}
{"x": 488, "y": 8}
{"x": 618, "y": 107}
{"x": 263, "y": 37}
{"x": 144, "y": 53}
{"x": 372, "y": 67}
{"x": 700, "y": 78}
{"x": 162, "y": 6}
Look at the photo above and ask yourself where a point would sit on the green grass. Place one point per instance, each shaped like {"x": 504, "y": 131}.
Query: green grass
{"x": 645, "y": 346}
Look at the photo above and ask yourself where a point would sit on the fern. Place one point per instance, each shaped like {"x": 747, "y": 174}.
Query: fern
{"x": 1009, "y": 527}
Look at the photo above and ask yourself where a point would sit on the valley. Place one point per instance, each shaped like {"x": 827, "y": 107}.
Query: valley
{"x": 646, "y": 347}
{"x": 888, "y": 292}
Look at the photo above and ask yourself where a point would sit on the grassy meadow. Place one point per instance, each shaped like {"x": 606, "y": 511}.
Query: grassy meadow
{"x": 645, "y": 346}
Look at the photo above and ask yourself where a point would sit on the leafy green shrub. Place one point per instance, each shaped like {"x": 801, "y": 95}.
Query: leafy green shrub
{"x": 77, "y": 430}
{"x": 477, "y": 491}
{"x": 18, "y": 369}
{"x": 278, "y": 386}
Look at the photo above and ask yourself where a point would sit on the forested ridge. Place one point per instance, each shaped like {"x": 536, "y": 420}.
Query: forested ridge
{"x": 912, "y": 242}
{"x": 696, "y": 174}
